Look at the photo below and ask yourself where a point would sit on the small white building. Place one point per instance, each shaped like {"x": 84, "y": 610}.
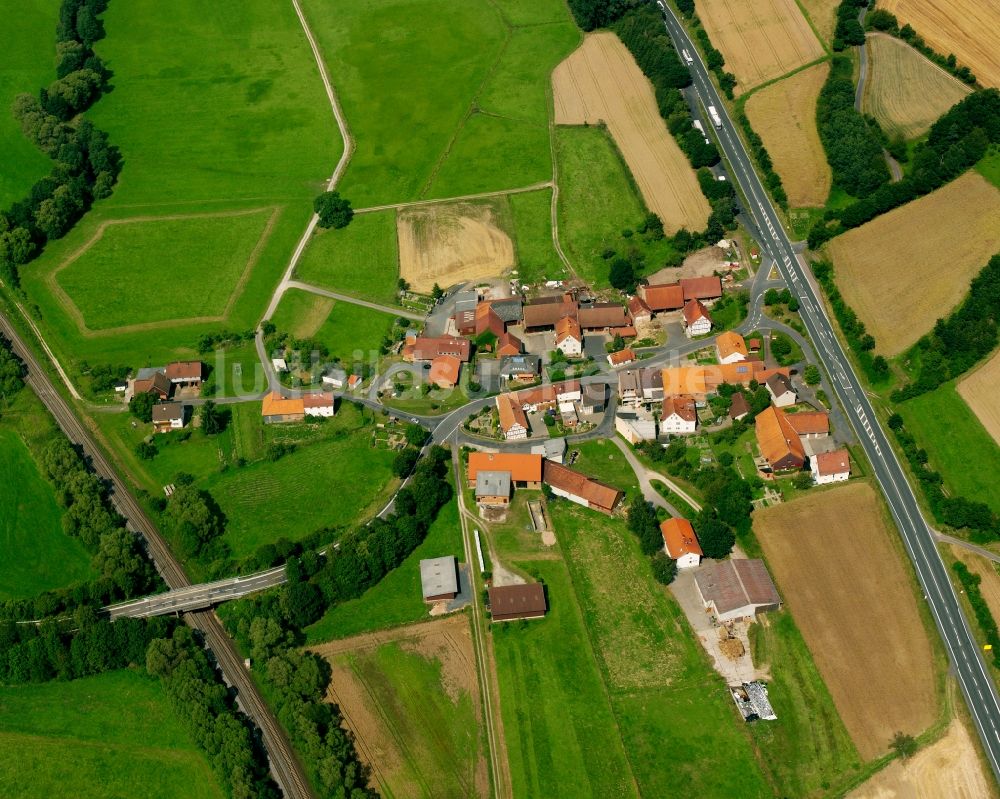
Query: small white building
{"x": 680, "y": 543}
{"x": 731, "y": 348}
{"x": 781, "y": 391}
{"x": 335, "y": 378}
{"x": 679, "y": 416}
{"x": 569, "y": 337}
{"x": 697, "y": 322}
{"x": 830, "y": 467}
{"x": 635, "y": 425}
{"x": 168, "y": 416}
{"x": 318, "y": 404}
{"x": 278, "y": 361}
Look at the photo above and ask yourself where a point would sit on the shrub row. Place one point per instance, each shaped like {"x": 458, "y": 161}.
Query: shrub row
{"x": 763, "y": 158}
{"x": 591, "y": 14}
{"x": 849, "y": 32}
{"x": 970, "y": 582}
{"x": 86, "y": 165}
{"x": 882, "y": 20}
{"x": 12, "y": 371}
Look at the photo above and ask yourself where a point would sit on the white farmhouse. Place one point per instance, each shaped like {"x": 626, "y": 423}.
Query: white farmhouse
{"x": 830, "y": 467}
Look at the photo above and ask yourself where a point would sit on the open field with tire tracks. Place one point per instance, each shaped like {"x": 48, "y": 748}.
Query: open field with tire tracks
{"x": 906, "y": 92}
{"x": 760, "y": 39}
{"x": 784, "y": 116}
{"x": 967, "y": 28}
{"x": 601, "y": 83}
{"x": 911, "y": 266}
{"x": 840, "y": 573}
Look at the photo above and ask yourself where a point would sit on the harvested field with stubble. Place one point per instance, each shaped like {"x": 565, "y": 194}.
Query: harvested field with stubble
{"x": 842, "y": 577}
{"x": 906, "y": 92}
{"x": 948, "y": 767}
{"x": 411, "y": 698}
{"x": 451, "y": 243}
{"x": 908, "y": 268}
{"x": 990, "y": 585}
{"x": 823, "y": 14}
{"x": 979, "y": 390}
{"x": 600, "y": 82}
{"x": 760, "y": 39}
{"x": 966, "y": 28}
{"x": 784, "y": 115}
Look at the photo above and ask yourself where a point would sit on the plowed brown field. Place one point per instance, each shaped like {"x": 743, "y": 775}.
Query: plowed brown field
{"x": 906, "y": 92}
{"x": 843, "y": 579}
{"x": 600, "y": 82}
{"x": 967, "y": 28}
{"x": 979, "y": 390}
{"x": 908, "y": 268}
{"x": 760, "y": 39}
{"x": 784, "y": 115}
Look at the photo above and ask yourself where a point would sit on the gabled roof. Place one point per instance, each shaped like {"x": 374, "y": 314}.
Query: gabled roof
{"x": 168, "y": 411}
{"x": 444, "y": 370}
{"x": 579, "y": 485}
{"x": 637, "y": 306}
{"x": 739, "y": 407}
{"x": 487, "y": 320}
{"x": 159, "y": 383}
{"x": 836, "y": 462}
{"x": 733, "y": 584}
{"x": 550, "y": 392}
{"x": 521, "y": 365}
{"x": 510, "y": 413}
{"x": 513, "y": 600}
{"x": 439, "y": 576}
{"x": 777, "y": 439}
{"x": 685, "y": 380}
{"x": 622, "y": 356}
{"x": 425, "y": 348}
{"x": 701, "y": 288}
{"x": 778, "y": 384}
{"x": 681, "y": 405}
{"x": 509, "y": 344}
{"x": 694, "y": 310}
{"x": 508, "y": 310}
{"x": 492, "y": 483}
{"x": 317, "y": 399}
{"x": 546, "y": 311}
{"x": 276, "y": 405}
{"x": 184, "y": 370}
{"x": 630, "y": 380}
{"x": 679, "y": 538}
{"x": 663, "y": 296}
{"x": 601, "y": 315}
{"x": 568, "y": 327}
{"x": 807, "y": 423}
{"x": 730, "y": 343}
{"x": 522, "y": 467}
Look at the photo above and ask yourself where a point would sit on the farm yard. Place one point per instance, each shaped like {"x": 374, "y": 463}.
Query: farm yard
{"x": 26, "y": 39}
{"x": 601, "y": 83}
{"x": 411, "y": 698}
{"x": 760, "y": 39}
{"x": 840, "y": 572}
{"x": 452, "y": 243}
{"x": 948, "y": 767}
{"x": 966, "y": 28}
{"x": 926, "y": 253}
{"x": 978, "y": 389}
{"x": 906, "y": 92}
{"x": 784, "y": 115}
{"x": 103, "y": 736}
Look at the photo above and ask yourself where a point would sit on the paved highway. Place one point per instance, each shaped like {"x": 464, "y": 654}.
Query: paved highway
{"x": 286, "y": 769}
{"x": 963, "y": 649}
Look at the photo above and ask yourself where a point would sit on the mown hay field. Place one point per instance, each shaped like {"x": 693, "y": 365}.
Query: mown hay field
{"x": 411, "y": 698}
{"x": 906, "y": 92}
{"x": 601, "y": 82}
{"x": 842, "y": 577}
{"x": 966, "y": 28}
{"x": 823, "y": 15}
{"x": 907, "y": 268}
{"x": 979, "y": 390}
{"x": 760, "y": 39}
{"x": 784, "y": 115}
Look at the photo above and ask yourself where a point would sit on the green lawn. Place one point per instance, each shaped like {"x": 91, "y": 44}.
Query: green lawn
{"x": 113, "y": 735}
{"x": 989, "y": 167}
{"x": 562, "y": 737}
{"x": 37, "y": 554}
{"x": 603, "y": 460}
{"x": 215, "y": 109}
{"x": 536, "y": 257}
{"x": 597, "y": 201}
{"x": 28, "y": 39}
{"x": 515, "y": 538}
{"x": 361, "y": 260}
{"x": 960, "y": 448}
{"x": 219, "y": 246}
{"x": 396, "y": 599}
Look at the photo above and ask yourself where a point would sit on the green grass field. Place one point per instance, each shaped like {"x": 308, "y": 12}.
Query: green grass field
{"x": 361, "y": 260}
{"x": 603, "y": 460}
{"x": 536, "y": 257}
{"x": 597, "y": 201}
{"x": 28, "y": 39}
{"x": 37, "y": 554}
{"x": 551, "y": 693}
{"x": 989, "y": 167}
{"x": 353, "y": 333}
{"x": 396, "y": 599}
{"x": 113, "y": 735}
{"x": 961, "y": 450}
{"x": 215, "y": 110}
{"x": 215, "y": 246}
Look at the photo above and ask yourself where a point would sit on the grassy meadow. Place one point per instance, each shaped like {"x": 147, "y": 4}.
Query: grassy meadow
{"x": 28, "y": 39}
{"x": 536, "y": 257}
{"x": 215, "y": 110}
{"x": 105, "y": 736}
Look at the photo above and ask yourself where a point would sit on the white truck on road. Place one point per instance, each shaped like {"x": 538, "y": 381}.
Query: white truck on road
{"x": 716, "y": 119}
{"x": 687, "y": 57}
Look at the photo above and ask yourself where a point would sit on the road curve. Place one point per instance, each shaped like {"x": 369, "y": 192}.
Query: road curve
{"x": 963, "y": 649}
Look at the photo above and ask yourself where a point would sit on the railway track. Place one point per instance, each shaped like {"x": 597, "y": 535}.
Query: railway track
{"x": 285, "y": 767}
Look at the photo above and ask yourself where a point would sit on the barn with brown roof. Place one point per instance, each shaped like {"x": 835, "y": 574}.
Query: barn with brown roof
{"x": 736, "y": 589}
{"x": 779, "y": 443}
{"x": 701, "y": 288}
{"x": 509, "y": 602}
{"x": 577, "y": 487}
{"x": 546, "y": 311}
{"x": 525, "y": 469}
{"x": 663, "y": 296}
{"x": 603, "y": 316}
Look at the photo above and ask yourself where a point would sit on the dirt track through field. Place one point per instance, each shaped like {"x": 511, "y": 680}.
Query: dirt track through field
{"x": 600, "y": 82}
{"x": 979, "y": 390}
{"x": 907, "y": 268}
{"x": 451, "y": 243}
{"x": 948, "y": 768}
{"x": 784, "y": 115}
{"x": 967, "y": 28}
{"x": 842, "y": 577}
{"x": 760, "y": 39}
{"x": 906, "y": 92}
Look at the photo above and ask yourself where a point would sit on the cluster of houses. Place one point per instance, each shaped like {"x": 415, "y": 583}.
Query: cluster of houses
{"x": 569, "y": 398}
{"x": 168, "y": 384}
{"x": 789, "y": 441}
{"x": 444, "y": 354}
{"x": 691, "y": 296}
{"x": 494, "y": 476}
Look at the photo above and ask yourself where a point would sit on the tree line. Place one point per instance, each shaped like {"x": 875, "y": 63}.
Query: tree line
{"x": 955, "y": 142}
{"x": 970, "y": 582}
{"x": 849, "y": 31}
{"x": 86, "y": 164}
{"x": 885, "y": 21}
{"x": 12, "y": 371}
{"x": 591, "y": 14}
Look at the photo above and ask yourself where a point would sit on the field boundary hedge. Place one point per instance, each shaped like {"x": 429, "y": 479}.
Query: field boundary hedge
{"x": 970, "y": 582}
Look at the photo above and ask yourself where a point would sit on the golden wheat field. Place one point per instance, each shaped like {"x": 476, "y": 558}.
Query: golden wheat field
{"x": 906, "y": 92}
{"x": 823, "y": 14}
{"x": 979, "y": 390}
{"x": 784, "y": 116}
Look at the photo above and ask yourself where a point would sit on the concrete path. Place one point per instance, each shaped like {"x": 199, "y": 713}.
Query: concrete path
{"x": 646, "y": 477}
{"x": 333, "y": 295}
{"x": 974, "y": 548}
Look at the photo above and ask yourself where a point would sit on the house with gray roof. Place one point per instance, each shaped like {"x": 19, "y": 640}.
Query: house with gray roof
{"x": 492, "y": 487}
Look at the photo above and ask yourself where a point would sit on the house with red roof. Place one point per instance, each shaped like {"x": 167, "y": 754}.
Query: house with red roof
{"x": 680, "y": 543}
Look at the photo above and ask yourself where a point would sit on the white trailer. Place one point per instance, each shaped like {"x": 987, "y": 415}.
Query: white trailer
{"x": 687, "y": 57}
{"x": 698, "y": 126}
{"x": 716, "y": 119}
